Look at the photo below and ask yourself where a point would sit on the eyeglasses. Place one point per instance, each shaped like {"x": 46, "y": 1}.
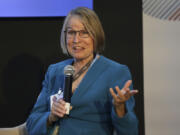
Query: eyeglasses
{"x": 72, "y": 33}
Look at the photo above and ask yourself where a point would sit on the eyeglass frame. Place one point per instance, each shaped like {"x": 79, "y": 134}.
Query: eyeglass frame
{"x": 81, "y": 32}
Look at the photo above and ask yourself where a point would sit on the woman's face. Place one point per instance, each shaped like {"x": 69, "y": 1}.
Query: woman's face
{"x": 79, "y": 42}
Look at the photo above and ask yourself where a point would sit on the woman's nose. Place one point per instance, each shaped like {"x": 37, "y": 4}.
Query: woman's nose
{"x": 76, "y": 37}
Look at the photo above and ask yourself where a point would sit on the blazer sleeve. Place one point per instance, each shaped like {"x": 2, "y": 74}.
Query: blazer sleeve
{"x": 37, "y": 120}
{"x": 127, "y": 125}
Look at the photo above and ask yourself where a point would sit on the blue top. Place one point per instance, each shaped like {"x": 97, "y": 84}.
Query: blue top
{"x": 93, "y": 112}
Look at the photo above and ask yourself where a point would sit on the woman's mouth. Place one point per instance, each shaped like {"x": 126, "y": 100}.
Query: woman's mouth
{"x": 78, "y": 48}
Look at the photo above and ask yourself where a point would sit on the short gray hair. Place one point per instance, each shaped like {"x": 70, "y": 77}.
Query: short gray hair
{"x": 91, "y": 23}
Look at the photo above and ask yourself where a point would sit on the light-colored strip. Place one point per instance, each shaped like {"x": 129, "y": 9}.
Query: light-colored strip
{"x": 146, "y": 3}
{"x": 162, "y": 9}
{"x": 166, "y": 5}
{"x": 150, "y": 6}
{"x": 168, "y": 8}
{"x": 172, "y": 10}
{"x": 176, "y": 15}
{"x": 163, "y": 4}
{"x": 157, "y": 7}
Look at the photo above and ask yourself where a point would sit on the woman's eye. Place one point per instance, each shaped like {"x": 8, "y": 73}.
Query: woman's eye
{"x": 71, "y": 32}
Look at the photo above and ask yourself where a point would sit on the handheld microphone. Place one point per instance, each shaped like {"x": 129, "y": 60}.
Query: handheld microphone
{"x": 68, "y": 72}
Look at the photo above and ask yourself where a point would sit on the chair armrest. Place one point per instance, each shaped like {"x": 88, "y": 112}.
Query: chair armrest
{"x": 17, "y": 130}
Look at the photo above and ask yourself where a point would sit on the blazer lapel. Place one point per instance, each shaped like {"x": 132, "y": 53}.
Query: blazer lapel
{"x": 91, "y": 76}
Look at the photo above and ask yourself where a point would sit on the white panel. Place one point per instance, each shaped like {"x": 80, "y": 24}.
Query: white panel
{"x": 161, "y": 76}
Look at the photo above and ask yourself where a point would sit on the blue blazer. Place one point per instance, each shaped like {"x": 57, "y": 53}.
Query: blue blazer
{"x": 93, "y": 112}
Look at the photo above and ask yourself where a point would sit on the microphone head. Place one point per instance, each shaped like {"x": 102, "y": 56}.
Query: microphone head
{"x": 69, "y": 70}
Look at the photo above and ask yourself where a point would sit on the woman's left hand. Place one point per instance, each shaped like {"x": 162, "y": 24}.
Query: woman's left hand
{"x": 121, "y": 97}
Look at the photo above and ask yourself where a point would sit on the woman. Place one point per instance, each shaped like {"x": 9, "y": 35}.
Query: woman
{"x": 102, "y": 100}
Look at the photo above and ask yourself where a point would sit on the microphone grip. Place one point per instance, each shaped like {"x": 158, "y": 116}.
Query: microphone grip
{"x": 68, "y": 88}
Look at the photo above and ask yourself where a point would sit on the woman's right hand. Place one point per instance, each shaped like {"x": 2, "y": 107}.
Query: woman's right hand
{"x": 58, "y": 110}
